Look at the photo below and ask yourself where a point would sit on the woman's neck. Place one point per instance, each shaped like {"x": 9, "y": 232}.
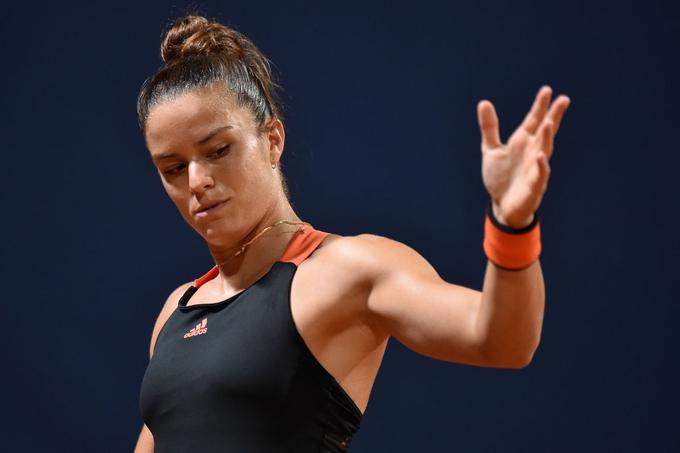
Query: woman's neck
{"x": 239, "y": 272}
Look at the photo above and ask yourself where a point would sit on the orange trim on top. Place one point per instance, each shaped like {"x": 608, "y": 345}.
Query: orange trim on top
{"x": 212, "y": 273}
{"x": 303, "y": 243}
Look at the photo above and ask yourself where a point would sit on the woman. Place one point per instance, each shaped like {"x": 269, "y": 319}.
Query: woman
{"x": 276, "y": 347}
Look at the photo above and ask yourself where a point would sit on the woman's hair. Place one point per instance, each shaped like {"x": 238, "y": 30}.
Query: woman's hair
{"x": 198, "y": 53}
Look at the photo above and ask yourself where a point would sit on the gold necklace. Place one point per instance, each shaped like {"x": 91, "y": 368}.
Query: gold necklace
{"x": 278, "y": 222}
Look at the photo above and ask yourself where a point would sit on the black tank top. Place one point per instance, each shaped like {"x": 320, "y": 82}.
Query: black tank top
{"x": 236, "y": 376}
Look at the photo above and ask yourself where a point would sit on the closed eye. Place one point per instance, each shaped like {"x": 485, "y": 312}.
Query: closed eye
{"x": 174, "y": 170}
{"x": 221, "y": 152}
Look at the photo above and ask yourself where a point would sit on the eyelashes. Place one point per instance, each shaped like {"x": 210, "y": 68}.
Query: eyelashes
{"x": 219, "y": 153}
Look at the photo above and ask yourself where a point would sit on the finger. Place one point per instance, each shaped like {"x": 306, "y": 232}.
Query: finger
{"x": 488, "y": 124}
{"x": 557, "y": 109}
{"x": 538, "y": 110}
{"x": 545, "y": 143}
{"x": 543, "y": 170}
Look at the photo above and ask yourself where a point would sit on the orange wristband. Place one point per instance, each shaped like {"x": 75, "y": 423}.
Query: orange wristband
{"x": 510, "y": 248}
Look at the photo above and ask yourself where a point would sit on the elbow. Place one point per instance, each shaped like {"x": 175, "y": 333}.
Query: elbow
{"x": 522, "y": 360}
{"x": 519, "y": 362}
{"x": 510, "y": 351}
{"x": 517, "y": 359}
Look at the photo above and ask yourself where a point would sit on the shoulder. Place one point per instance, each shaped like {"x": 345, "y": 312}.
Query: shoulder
{"x": 167, "y": 310}
{"x": 370, "y": 276}
{"x": 369, "y": 257}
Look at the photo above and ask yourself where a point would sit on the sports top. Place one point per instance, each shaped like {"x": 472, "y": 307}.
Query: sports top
{"x": 236, "y": 376}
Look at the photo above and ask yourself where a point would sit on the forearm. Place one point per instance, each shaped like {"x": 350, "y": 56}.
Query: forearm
{"x": 511, "y": 314}
{"x": 515, "y": 174}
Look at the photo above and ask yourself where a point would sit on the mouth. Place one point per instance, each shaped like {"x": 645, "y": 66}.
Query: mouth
{"x": 210, "y": 209}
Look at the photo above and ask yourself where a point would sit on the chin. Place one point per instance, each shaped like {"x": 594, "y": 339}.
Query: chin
{"x": 218, "y": 234}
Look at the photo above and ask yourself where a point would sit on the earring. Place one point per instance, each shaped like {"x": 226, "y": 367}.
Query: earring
{"x": 273, "y": 165}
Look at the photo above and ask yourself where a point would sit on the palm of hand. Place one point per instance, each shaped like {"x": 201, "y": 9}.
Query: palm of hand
{"x": 516, "y": 173}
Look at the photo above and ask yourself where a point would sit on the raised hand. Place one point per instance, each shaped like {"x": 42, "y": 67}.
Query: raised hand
{"x": 516, "y": 173}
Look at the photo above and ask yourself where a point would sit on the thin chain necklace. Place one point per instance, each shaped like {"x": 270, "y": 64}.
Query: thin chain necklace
{"x": 278, "y": 222}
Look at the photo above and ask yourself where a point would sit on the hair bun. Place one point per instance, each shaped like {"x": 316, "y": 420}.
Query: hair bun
{"x": 196, "y": 35}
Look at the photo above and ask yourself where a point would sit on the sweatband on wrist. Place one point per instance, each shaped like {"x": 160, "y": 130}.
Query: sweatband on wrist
{"x": 510, "y": 248}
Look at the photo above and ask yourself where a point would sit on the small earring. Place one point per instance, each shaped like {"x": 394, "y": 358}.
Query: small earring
{"x": 273, "y": 165}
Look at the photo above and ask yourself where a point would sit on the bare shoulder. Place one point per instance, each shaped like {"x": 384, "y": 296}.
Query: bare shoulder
{"x": 352, "y": 270}
{"x": 167, "y": 310}
{"x": 368, "y": 256}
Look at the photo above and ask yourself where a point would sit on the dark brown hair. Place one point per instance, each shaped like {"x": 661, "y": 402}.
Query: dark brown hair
{"x": 198, "y": 53}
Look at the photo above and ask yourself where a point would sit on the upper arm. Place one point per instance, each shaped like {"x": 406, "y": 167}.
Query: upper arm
{"x": 168, "y": 307}
{"x": 408, "y": 300}
{"x": 144, "y": 441}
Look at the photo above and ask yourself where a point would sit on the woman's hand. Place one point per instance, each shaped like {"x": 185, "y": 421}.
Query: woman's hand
{"x": 516, "y": 173}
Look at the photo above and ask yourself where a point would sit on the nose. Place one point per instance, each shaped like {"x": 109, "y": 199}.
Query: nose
{"x": 200, "y": 178}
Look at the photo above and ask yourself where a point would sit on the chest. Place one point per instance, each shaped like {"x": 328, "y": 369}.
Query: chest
{"x": 324, "y": 300}
{"x": 244, "y": 345}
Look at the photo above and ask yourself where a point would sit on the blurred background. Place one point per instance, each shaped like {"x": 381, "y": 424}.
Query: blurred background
{"x": 381, "y": 138}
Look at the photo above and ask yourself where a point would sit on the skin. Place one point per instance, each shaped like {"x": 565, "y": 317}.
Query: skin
{"x": 353, "y": 292}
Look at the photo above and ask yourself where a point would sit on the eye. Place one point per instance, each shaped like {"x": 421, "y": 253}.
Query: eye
{"x": 221, "y": 152}
{"x": 174, "y": 170}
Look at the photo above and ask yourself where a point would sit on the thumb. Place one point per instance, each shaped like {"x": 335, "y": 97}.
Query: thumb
{"x": 488, "y": 124}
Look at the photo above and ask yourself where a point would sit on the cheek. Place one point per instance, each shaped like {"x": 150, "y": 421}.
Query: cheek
{"x": 177, "y": 195}
{"x": 257, "y": 184}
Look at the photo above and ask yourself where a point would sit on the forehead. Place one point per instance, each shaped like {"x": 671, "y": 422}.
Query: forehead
{"x": 187, "y": 118}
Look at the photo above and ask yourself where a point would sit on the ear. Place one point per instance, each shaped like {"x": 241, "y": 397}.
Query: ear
{"x": 276, "y": 136}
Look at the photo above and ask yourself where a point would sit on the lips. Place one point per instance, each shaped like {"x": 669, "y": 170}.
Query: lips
{"x": 209, "y": 206}
{"x": 207, "y": 209}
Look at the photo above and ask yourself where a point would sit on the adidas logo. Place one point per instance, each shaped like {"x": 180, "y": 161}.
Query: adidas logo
{"x": 200, "y": 329}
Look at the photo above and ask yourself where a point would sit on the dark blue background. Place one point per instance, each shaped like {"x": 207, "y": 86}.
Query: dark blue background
{"x": 381, "y": 138}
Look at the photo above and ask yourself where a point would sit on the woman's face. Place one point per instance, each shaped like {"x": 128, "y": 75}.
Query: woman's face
{"x": 208, "y": 151}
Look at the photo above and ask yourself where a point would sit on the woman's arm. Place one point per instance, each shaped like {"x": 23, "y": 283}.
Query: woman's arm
{"x": 145, "y": 441}
{"x": 501, "y": 325}
{"x": 510, "y": 314}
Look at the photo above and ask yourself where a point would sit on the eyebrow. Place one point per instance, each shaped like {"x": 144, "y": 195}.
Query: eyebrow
{"x": 211, "y": 134}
